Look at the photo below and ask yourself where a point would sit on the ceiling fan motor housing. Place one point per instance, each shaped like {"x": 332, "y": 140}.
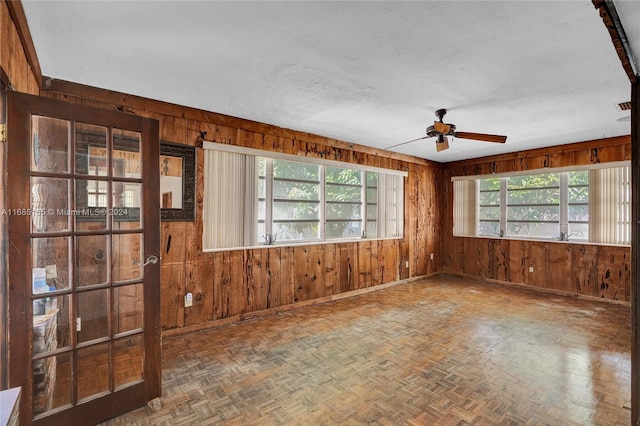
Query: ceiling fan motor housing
{"x": 431, "y": 131}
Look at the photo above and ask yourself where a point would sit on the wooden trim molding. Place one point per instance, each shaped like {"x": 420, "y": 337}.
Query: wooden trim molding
{"x": 537, "y": 152}
{"x": 20, "y": 21}
{"x": 611, "y": 20}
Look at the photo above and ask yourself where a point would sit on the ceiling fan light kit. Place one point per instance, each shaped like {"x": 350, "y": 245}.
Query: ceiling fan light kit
{"x": 442, "y": 143}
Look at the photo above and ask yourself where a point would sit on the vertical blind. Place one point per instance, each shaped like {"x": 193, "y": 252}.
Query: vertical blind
{"x": 610, "y": 205}
{"x": 465, "y": 208}
{"x": 230, "y": 204}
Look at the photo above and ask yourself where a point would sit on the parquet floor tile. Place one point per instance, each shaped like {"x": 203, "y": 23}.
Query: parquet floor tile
{"x": 443, "y": 351}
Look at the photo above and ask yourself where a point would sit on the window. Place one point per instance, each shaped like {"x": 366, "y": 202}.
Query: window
{"x": 589, "y": 204}
{"x": 343, "y": 202}
{"x": 294, "y": 204}
{"x": 251, "y": 199}
{"x": 533, "y": 205}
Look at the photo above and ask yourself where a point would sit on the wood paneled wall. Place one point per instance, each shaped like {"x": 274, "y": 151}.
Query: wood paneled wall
{"x": 234, "y": 284}
{"x": 583, "y": 269}
{"x": 12, "y": 55}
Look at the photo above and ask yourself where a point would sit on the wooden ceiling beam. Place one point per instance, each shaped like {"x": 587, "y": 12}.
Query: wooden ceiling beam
{"x": 20, "y": 21}
{"x": 612, "y": 21}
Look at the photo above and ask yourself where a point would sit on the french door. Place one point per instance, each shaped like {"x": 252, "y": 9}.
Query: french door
{"x": 84, "y": 302}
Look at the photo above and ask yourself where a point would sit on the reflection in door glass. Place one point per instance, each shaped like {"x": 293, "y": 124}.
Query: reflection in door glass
{"x": 128, "y": 308}
{"x": 92, "y": 310}
{"x": 49, "y": 145}
{"x": 127, "y": 251}
{"x": 92, "y": 260}
{"x": 126, "y": 154}
{"x": 92, "y": 371}
{"x": 51, "y": 383}
{"x": 127, "y": 200}
{"x": 49, "y": 204}
{"x": 50, "y": 324}
{"x": 91, "y": 150}
{"x": 91, "y": 205}
{"x": 50, "y": 258}
{"x": 128, "y": 360}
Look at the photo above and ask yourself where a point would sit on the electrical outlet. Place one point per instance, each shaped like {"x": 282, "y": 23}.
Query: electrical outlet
{"x": 530, "y": 268}
{"x": 406, "y": 264}
{"x": 188, "y": 300}
{"x": 431, "y": 256}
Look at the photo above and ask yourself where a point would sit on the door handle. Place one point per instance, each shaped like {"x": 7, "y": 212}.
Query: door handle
{"x": 151, "y": 259}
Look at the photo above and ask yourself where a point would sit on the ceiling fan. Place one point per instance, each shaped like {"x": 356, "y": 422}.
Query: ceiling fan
{"x": 441, "y": 130}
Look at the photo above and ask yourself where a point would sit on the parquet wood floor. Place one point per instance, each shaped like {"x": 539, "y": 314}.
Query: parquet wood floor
{"x": 443, "y": 351}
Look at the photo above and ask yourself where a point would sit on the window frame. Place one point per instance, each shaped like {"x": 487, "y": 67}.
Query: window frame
{"x": 268, "y": 199}
{"x": 565, "y": 203}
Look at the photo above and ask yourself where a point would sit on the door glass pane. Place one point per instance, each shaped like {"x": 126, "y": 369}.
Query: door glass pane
{"x": 126, "y": 154}
{"x": 92, "y": 261}
{"x": 127, "y": 198}
{"x": 50, "y": 256}
{"x": 51, "y": 383}
{"x": 91, "y": 205}
{"x": 126, "y": 248}
{"x": 92, "y": 321}
{"x": 91, "y": 193}
{"x": 128, "y": 360}
{"x": 49, "y": 204}
{"x": 49, "y": 144}
{"x": 91, "y": 150}
{"x": 50, "y": 324}
{"x": 93, "y": 371}
{"x": 128, "y": 308}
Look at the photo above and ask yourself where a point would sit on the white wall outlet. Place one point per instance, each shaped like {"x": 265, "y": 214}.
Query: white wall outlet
{"x": 406, "y": 264}
{"x": 188, "y": 300}
{"x": 530, "y": 268}
{"x": 431, "y": 256}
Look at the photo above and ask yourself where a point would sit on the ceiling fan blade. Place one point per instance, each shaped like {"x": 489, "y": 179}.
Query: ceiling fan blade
{"x": 481, "y": 137}
{"x": 404, "y": 143}
{"x": 442, "y": 143}
{"x": 441, "y": 127}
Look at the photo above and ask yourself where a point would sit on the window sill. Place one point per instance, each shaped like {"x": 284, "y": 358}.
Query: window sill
{"x": 541, "y": 240}
{"x": 301, "y": 243}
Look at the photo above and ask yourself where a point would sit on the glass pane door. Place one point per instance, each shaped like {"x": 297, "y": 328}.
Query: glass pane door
{"x": 94, "y": 329}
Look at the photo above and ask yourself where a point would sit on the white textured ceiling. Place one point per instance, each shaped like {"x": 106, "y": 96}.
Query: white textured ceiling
{"x": 541, "y": 72}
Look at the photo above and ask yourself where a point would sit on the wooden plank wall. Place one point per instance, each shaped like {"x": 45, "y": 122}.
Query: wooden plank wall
{"x": 13, "y": 59}
{"x": 234, "y": 284}
{"x": 582, "y": 269}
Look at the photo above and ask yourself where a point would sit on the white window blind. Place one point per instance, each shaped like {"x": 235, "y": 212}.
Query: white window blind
{"x": 465, "y": 211}
{"x": 230, "y": 203}
{"x": 610, "y": 207}
{"x": 390, "y": 205}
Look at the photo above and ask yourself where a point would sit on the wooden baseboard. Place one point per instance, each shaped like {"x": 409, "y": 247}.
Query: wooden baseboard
{"x": 272, "y": 311}
{"x": 538, "y": 289}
